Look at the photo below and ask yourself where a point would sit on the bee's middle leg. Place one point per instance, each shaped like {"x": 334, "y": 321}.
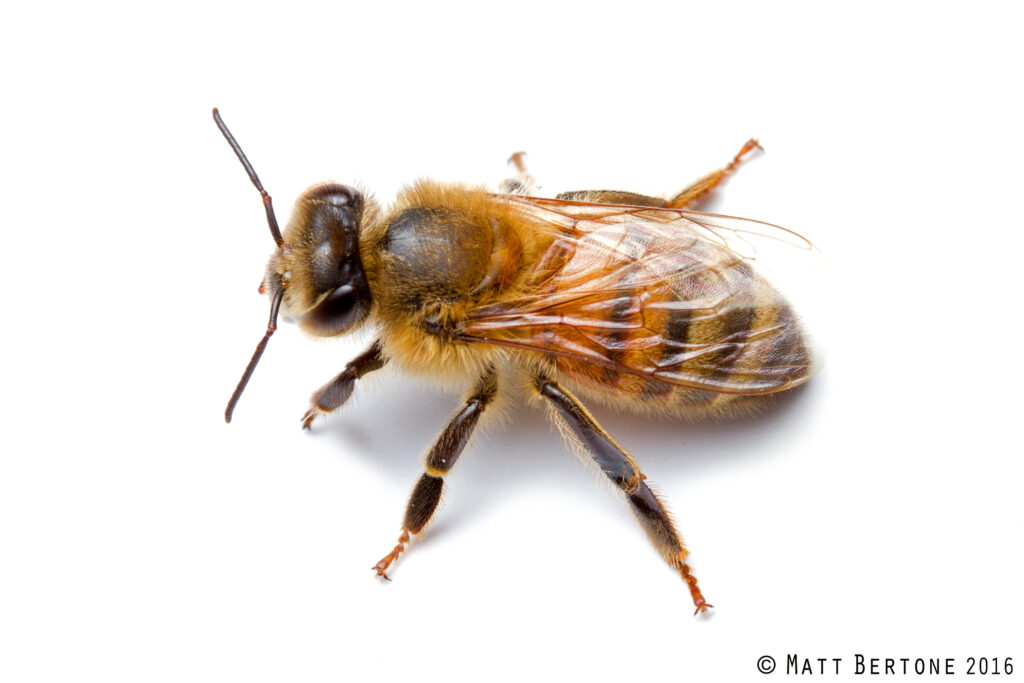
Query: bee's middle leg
{"x": 333, "y": 395}
{"x": 522, "y": 182}
{"x": 618, "y": 466}
{"x": 440, "y": 460}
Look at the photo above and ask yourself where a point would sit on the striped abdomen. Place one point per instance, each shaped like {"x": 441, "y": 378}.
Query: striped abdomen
{"x": 655, "y": 313}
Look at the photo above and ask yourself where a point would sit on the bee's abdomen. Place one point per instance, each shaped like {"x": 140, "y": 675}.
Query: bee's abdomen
{"x": 755, "y": 347}
{"x": 687, "y": 360}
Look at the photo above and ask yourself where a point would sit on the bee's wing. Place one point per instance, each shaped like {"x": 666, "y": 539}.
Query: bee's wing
{"x": 667, "y": 294}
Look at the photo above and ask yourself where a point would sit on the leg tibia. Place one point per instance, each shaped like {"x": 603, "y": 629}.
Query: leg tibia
{"x": 656, "y": 524}
{"x": 612, "y": 197}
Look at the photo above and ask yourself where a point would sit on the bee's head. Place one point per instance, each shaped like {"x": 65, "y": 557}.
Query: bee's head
{"x": 315, "y": 276}
{"x": 317, "y": 265}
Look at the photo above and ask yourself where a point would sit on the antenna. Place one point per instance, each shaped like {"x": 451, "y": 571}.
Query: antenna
{"x": 267, "y": 202}
{"x": 271, "y": 328}
{"x": 275, "y": 232}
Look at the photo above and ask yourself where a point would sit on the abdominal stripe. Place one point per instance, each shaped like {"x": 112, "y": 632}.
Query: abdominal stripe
{"x": 620, "y": 320}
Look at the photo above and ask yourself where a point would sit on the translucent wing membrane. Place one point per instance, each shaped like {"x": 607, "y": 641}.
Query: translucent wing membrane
{"x": 673, "y": 296}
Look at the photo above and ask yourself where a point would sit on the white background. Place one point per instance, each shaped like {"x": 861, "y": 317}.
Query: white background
{"x": 875, "y": 512}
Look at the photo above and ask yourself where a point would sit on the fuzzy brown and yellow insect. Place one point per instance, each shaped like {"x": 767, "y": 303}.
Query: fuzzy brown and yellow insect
{"x": 633, "y": 300}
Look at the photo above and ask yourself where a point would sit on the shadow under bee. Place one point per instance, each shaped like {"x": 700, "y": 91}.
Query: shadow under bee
{"x": 391, "y": 424}
{"x": 667, "y": 445}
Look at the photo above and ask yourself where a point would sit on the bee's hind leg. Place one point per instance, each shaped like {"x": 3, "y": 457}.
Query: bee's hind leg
{"x": 333, "y": 395}
{"x": 613, "y": 197}
{"x": 690, "y": 197}
{"x": 440, "y": 459}
{"x": 618, "y": 466}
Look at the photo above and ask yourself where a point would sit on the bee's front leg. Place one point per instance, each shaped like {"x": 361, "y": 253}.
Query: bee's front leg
{"x": 440, "y": 459}
{"x": 333, "y": 395}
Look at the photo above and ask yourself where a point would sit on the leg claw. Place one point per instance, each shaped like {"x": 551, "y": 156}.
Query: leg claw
{"x": 702, "y": 608}
{"x": 382, "y": 566}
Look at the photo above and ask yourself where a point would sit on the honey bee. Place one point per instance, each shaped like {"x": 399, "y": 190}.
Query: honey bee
{"x": 633, "y": 300}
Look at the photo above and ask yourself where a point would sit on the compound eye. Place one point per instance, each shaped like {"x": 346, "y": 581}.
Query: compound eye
{"x": 334, "y": 194}
{"x": 343, "y": 308}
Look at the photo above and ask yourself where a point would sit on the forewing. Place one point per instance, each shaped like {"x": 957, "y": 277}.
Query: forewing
{"x": 666, "y": 294}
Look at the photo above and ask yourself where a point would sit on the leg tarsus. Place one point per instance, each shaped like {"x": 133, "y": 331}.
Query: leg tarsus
{"x": 516, "y": 160}
{"x": 699, "y": 190}
{"x": 749, "y": 146}
{"x": 389, "y": 559}
{"x": 691, "y": 582}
